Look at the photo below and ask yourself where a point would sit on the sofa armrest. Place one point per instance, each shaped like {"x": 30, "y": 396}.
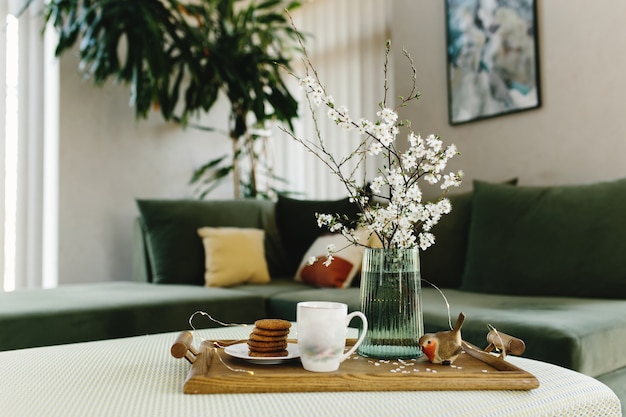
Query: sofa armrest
{"x": 142, "y": 272}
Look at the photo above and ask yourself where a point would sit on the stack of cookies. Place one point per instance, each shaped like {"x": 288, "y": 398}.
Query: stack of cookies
{"x": 269, "y": 338}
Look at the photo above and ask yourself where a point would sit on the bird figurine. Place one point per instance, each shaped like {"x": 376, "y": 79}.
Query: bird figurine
{"x": 445, "y": 346}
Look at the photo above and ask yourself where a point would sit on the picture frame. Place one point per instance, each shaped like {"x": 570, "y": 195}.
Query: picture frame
{"x": 492, "y": 58}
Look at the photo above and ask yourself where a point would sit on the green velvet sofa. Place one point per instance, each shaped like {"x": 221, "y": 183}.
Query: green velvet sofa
{"x": 545, "y": 264}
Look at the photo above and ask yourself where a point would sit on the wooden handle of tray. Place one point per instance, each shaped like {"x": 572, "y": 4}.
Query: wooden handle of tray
{"x": 182, "y": 347}
{"x": 505, "y": 342}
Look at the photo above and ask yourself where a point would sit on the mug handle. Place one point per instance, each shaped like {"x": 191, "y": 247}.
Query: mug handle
{"x": 349, "y": 317}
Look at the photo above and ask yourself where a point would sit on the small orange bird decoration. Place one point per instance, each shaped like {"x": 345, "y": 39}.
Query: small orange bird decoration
{"x": 445, "y": 346}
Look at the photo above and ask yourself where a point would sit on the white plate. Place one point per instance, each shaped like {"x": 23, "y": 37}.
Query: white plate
{"x": 240, "y": 351}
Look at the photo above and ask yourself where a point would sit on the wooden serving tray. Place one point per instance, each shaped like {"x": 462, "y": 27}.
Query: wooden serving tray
{"x": 215, "y": 372}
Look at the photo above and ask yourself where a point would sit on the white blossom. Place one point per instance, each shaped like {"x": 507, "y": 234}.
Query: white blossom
{"x": 388, "y": 115}
{"x": 364, "y": 126}
{"x": 375, "y": 148}
{"x": 395, "y": 177}
{"x": 415, "y": 141}
{"x": 431, "y": 178}
{"x": 409, "y": 161}
{"x": 336, "y": 227}
{"x": 451, "y": 151}
{"x": 451, "y": 180}
{"x": 445, "y": 206}
{"x": 377, "y": 184}
{"x": 414, "y": 193}
{"x": 324, "y": 219}
{"x": 434, "y": 142}
{"x": 426, "y": 240}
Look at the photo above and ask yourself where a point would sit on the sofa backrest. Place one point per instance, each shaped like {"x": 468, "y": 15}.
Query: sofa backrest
{"x": 167, "y": 248}
{"x": 567, "y": 240}
{"x": 174, "y": 249}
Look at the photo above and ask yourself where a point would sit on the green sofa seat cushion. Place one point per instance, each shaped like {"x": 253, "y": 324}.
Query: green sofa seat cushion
{"x": 558, "y": 240}
{"x": 79, "y": 313}
{"x": 276, "y": 286}
{"x": 175, "y": 250}
{"x": 586, "y": 335}
{"x": 284, "y": 304}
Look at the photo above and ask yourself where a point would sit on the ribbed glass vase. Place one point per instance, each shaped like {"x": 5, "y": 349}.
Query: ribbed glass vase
{"x": 391, "y": 300}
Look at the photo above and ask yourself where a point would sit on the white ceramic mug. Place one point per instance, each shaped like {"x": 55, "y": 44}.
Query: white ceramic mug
{"x": 322, "y": 328}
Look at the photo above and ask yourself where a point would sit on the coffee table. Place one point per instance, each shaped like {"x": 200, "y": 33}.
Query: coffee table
{"x": 138, "y": 377}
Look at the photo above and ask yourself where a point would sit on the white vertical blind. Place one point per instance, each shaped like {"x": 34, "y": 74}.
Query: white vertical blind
{"x": 30, "y": 155}
{"x": 346, "y": 43}
{"x": 50, "y": 193}
{"x": 4, "y": 37}
{"x": 23, "y": 137}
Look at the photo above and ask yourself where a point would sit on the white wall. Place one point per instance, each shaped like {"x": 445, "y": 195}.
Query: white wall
{"x": 578, "y": 135}
{"x": 108, "y": 159}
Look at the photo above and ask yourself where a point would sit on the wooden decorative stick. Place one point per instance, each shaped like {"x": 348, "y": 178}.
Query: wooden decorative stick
{"x": 182, "y": 347}
{"x": 504, "y": 342}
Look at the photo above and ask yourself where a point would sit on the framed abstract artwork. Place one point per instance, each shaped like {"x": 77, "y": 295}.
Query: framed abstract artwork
{"x": 492, "y": 58}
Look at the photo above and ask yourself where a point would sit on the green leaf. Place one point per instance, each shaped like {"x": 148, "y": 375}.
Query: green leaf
{"x": 268, "y": 4}
{"x": 200, "y": 172}
{"x": 293, "y": 5}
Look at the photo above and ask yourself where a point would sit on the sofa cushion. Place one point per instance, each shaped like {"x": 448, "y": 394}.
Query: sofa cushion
{"x": 84, "y": 312}
{"x": 284, "y": 304}
{"x": 344, "y": 267}
{"x": 233, "y": 256}
{"x": 276, "y": 286}
{"x": 442, "y": 264}
{"x": 582, "y": 334}
{"x": 559, "y": 240}
{"x": 175, "y": 251}
{"x": 298, "y": 226}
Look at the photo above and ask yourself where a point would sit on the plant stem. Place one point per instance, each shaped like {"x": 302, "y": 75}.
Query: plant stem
{"x": 236, "y": 191}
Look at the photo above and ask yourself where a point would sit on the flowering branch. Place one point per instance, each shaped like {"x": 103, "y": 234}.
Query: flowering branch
{"x": 401, "y": 219}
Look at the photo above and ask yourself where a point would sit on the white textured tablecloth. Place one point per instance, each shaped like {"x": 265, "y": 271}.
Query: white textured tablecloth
{"x": 138, "y": 377}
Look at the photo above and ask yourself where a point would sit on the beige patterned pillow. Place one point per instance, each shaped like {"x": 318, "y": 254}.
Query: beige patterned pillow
{"x": 341, "y": 271}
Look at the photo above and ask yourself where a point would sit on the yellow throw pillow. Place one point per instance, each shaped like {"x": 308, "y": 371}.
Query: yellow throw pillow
{"x": 234, "y": 256}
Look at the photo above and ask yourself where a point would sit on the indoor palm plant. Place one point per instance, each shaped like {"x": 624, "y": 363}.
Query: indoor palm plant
{"x": 179, "y": 56}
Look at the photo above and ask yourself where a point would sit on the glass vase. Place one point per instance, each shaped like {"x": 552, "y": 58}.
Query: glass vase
{"x": 391, "y": 301}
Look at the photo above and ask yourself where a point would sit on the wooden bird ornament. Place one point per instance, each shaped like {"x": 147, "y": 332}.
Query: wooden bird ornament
{"x": 445, "y": 346}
